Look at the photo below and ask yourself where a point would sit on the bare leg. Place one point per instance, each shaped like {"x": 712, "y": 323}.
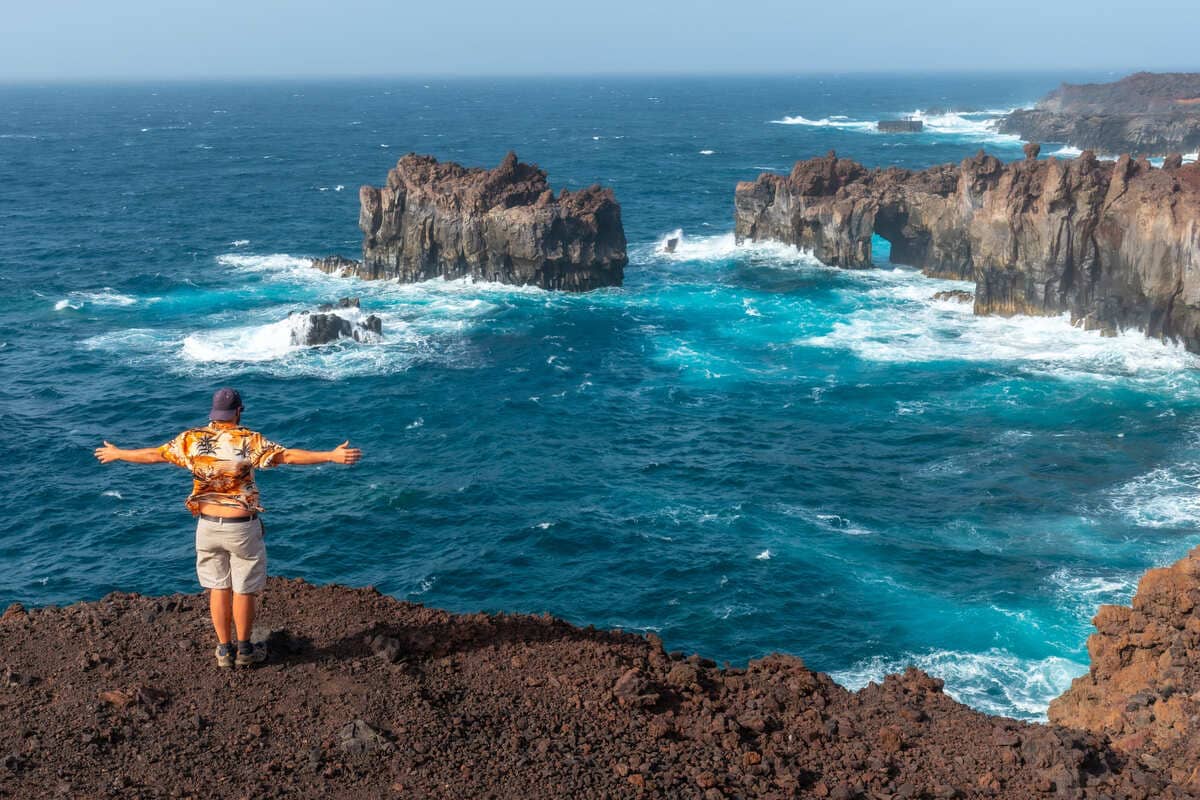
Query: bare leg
{"x": 243, "y": 614}
{"x": 219, "y": 603}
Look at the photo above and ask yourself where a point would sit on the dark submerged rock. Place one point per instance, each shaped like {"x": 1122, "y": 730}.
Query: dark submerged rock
{"x": 327, "y": 325}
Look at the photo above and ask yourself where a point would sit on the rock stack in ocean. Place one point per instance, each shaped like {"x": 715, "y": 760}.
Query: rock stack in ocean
{"x": 444, "y": 220}
{"x": 1115, "y": 243}
{"x": 1146, "y": 113}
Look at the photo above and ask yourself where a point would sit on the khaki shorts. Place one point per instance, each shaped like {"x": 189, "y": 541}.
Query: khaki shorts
{"x": 231, "y": 555}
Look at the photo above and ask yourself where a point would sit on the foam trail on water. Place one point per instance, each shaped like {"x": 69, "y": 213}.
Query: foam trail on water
{"x": 1084, "y": 592}
{"x": 979, "y": 125}
{"x": 296, "y": 269}
{"x": 995, "y": 681}
{"x": 1165, "y": 497}
{"x": 844, "y": 123}
{"x": 915, "y": 328}
{"x": 724, "y": 247}
{"x": 105, "y": 298}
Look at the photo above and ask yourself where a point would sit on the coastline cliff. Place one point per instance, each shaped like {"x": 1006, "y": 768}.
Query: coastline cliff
{"x": 1114, "y": 243}
{"x": 367, "y": 696}
{"x": 434, "y": 219}
{"x": 1146, "y": 113}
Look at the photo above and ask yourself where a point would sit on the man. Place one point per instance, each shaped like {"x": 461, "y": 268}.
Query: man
{"x": 231, "y": 558}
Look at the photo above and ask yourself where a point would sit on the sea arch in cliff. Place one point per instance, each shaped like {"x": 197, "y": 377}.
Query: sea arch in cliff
{"x": 1116, "y": 244}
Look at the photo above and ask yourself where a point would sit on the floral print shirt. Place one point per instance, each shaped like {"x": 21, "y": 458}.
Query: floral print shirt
{"x": 222, "y": 458}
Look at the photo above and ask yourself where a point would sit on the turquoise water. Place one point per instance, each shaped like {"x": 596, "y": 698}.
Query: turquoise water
{"x": 740, "y": 449}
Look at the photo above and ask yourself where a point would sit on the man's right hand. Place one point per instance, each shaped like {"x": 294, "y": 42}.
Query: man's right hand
{"x": 345, "y": 454}
{"x": 108, "y": 453}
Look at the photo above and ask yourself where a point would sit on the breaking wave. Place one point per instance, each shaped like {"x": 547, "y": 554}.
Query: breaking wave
{"x": 994, "y": 681}
{"x": 104, "y": 298}
{"x": 267, "y": 342}
{"x": 919, "y": 329}
{"x": 978, "y": 125}
{"x": 721, "y": 247}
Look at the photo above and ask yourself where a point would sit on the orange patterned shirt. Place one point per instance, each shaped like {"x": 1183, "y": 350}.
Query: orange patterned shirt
{"x": 222, "y": 457}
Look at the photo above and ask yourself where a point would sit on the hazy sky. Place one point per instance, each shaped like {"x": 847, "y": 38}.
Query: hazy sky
{"x": 70, "y": 39}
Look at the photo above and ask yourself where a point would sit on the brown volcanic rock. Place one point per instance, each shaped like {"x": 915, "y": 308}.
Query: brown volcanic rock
{"x": 1143, "y": 687}
{"x": 1146, "y": 113}
{"x": 367, "y": 696}
{"x": 1113, "y": 243}
{"x": 436, "y": 219}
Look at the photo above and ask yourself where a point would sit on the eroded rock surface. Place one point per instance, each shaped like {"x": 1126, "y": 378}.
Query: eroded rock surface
{"x": 1151, "y": 114}
{"x": 1115, "y": 243}
{"x": 506, "y": 225}
{"x": 1143, "y": 686}
{"x": 367, "y": 696}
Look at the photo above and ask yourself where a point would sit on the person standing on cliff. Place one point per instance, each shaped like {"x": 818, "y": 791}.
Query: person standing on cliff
{"x": 231, "y": 557}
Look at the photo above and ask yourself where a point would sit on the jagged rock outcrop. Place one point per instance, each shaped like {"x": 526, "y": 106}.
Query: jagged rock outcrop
{"x": 366, "y": 696}
{"x": 337, "y": 265}
{"x": 1116, "y": 244}
{"x": 333, "y": 321}
{"x": 1143, "y": 686}
{"x": 1145, "y": 114}
{"x": 444, "y": 220}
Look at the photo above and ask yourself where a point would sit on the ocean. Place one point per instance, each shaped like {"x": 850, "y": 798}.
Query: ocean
{"x": 741, "y": 450}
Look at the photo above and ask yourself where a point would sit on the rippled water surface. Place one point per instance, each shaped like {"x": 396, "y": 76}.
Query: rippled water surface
{"x": 739, "y": 449}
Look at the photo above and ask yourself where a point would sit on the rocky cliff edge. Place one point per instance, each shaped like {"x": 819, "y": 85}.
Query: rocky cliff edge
{"x": 367, "y": 696}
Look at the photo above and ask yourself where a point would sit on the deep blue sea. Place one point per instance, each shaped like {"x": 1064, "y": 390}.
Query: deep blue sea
{"x": 740, "y": 449}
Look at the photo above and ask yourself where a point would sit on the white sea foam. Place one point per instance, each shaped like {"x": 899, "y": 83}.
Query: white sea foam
{"x": 994, "y": 681}
{"x": 105, "y": 298}
{"x": 707, "y": 152}
{"x": 1165, "y": 497}
{"x": 1067, "y": 151}
{"x": 295, "y": 269}
{"x": 114, "y": 494}
{"x": 1158, "y": 162}
{"x": 823, "y": 520}
{"x": 277, "y": 264}
{"x": 828, "y": 122}
{"x": 267, "y": 342}
{"x": 1083, "y": 592}
{"x": 239, "y": 242}
{"x": 981, "y": 125}
{"x": 919, "y": 329}
{"x": 765, "y": 555}
{"x": 722, "y": 247}
{"x": 969, "y": 124}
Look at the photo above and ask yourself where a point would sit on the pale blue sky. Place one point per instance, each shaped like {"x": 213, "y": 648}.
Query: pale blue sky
{"x": 139, "y": 39}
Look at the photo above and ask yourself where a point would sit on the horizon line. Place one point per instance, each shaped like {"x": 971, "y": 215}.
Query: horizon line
{"x": 131, "y": 80}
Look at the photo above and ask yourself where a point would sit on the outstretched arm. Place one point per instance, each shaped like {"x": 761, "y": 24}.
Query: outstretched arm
{"x": 342, "y": 454}
{"x": 146, "y": 455}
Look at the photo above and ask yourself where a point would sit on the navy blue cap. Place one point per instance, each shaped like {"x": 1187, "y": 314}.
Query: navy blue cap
{"x": 226, "y": 405}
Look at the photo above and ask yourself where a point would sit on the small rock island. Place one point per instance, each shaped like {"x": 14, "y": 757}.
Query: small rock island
{"x": 439, "y": 219}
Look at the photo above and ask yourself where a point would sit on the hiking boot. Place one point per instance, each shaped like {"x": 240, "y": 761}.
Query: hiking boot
{"x": 256, "y": 655}
{"x": 225, "y": 656}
